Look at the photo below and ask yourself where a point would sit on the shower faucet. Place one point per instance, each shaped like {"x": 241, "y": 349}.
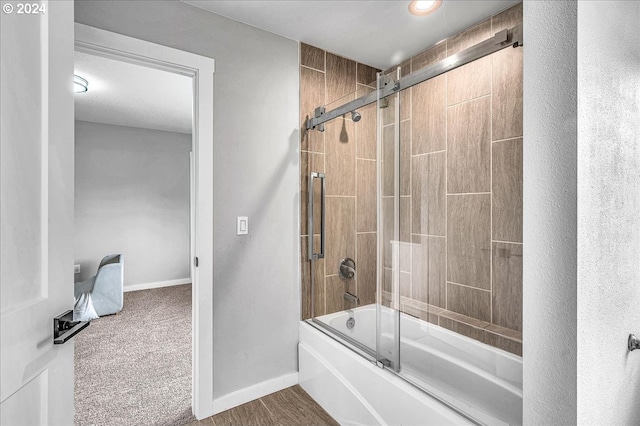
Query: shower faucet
{"x": 347, "y": 268}
{"x": 351, "y": 297}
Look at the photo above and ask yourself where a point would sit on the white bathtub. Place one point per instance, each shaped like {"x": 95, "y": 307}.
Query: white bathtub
{"x": 483, "y": 382}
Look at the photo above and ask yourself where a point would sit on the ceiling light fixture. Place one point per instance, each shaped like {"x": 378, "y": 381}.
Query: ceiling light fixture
{"x": 80, "y": 85}
{"x": 424, "y": 7}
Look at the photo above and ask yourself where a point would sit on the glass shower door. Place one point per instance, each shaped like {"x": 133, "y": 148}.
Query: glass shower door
{"x": 392, "y": 247}
{"x": 342, "y": 217}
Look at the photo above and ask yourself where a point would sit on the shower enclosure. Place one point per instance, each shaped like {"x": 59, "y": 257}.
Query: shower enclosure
{"x": 412, "y": 215}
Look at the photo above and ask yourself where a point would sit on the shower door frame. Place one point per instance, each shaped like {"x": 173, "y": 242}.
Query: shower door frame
{"x": 512, "y": 37}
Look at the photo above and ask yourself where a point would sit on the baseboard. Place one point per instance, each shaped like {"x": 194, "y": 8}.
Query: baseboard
{"x": 158, "y": 284}
{"x": 254, "y": 392}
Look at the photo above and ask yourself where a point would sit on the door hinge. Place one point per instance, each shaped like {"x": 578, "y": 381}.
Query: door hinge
{"x": 195, "y": 261}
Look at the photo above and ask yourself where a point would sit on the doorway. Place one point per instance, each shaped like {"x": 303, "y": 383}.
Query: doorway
{"x": 200, "y": 71}
{"x": 133, "y": 143}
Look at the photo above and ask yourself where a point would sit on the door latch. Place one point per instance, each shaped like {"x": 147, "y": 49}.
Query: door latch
{"x": 64, "y": 327}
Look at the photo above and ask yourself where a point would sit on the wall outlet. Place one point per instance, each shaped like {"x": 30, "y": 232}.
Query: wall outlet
{"x": 76, "y": 269}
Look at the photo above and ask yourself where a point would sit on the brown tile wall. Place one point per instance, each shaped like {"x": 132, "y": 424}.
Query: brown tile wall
{"x": 460, "y": 182}
{"x": 346, "y": 151}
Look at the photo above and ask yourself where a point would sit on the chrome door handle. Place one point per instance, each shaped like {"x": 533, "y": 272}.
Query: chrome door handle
{"x": 633, "y": 343}
{"x": 320, "y": 255}
{"x": 64, "y": 327}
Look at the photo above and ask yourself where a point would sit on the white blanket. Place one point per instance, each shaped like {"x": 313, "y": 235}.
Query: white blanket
{"x": 83, "y": 309}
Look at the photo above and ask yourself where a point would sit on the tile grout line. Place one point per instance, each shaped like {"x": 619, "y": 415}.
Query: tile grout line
{"x": 491, "y": 183}
{"x": 486, "y": 95}
{"x": 428, "y": 153}
{"x": 324, "y": 165}
{"x": 468, "y": 286}
{"x": 446, "y": 184}
{"x": 507, "y": 139}
{"x": 312, "y": 68}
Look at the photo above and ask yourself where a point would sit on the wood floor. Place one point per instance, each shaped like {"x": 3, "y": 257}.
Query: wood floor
{"x": 291, "y": 406}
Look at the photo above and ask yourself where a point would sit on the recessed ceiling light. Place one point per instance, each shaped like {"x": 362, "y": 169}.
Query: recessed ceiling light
{"x": 80, "y": 85}
{"x": 424, "y": 7}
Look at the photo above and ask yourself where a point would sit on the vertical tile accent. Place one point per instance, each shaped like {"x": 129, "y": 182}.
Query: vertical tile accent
{"x": 309, "y": 162}
{"x": 405, "y": 284}
{"x": 468, "y": 38}
{"x": 341, "y": 77}
{"x": 311, "y": 57}
{"x": 507, "y": 80}
{"x": 429, "y": 56}
{"x": 387, "y": 230}
{"x": 507, "y": 190}
{"x": 507, "y": 19}
{"x": 340, "y": 157}
{"x": 366, "y": 196}
{"x": 366, "y": 267}
{"x": 469, "y": 147}
{"x": 428, "y": 194}
{"x": 318, "y": 271}
{"x": 507, "y": 94}
{"x": 405, "y": 234}
{"x": 429, "y": 270}
{"x": 388, "y": 156}
{"x": 470, "y": 81}
{"x": 469, "y": 240}
{"x": 428, "y": 116}
{"x": 437, "y": 271}
{"x": 405, "y": 157}
{"x": 340, "y": 228}
{"x": 474, "y": 79}
{"x": 366, "y": 75}
{"x": 336, "y": 288}
{"x": 405, "y": 95}
{"x": 507, "y": 285}
{"x": 312, "y": 90}
{"x": 469, "y": 301}
{"x": 366, "y": 133}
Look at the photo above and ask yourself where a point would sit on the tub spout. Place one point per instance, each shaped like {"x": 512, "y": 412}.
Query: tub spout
{"x": 351, "y": 298}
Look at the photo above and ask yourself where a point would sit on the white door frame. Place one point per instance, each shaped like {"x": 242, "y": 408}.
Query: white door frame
{"x": 116, "y": 46}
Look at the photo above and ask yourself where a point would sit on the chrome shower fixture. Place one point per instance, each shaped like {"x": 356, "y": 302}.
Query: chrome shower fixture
{"x": 355, "y": 116}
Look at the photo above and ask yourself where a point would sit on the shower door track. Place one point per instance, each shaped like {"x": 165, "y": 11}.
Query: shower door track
{"x": 503, "y": 39}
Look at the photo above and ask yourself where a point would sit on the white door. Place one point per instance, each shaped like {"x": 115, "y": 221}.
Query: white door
{"x": 36, "y": 211}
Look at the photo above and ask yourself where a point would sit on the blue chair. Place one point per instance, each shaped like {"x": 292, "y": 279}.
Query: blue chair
{"x": 105, "y": 289}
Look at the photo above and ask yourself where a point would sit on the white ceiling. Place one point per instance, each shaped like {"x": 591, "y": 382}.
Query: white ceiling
{"x": 125, "y": 94}
{"x": 376, "y": 33}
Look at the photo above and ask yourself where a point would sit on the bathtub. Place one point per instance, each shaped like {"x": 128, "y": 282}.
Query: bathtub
{"x": 483, "y": 383}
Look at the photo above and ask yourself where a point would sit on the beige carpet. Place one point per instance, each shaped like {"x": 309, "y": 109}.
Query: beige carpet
{"x": 134, "y": 368}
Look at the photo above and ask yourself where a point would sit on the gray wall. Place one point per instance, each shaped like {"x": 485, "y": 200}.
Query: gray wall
{"x": 581, "y": 221}
{"x": 608, "y": 211}
{"x": 549, "y": 217}
{"x": 132, "y": 197}
{"x": 256, "y": 277}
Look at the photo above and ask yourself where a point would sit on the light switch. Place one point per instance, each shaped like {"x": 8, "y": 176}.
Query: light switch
{"x": 76, "y": 268}
{"x": 242, "y": 226}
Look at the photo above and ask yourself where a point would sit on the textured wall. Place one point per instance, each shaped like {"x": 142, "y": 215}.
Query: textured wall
{"x": 132, "y": 197}
{"x": 608, "y": 212}
{"x": 549, "y": 232}
{"x": 255, "y": 125}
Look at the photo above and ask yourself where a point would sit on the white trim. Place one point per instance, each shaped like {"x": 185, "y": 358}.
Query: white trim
{"x": 254, "y": 392}
{"x": 157, "y": 284}
{"x": 200, "y": 68}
